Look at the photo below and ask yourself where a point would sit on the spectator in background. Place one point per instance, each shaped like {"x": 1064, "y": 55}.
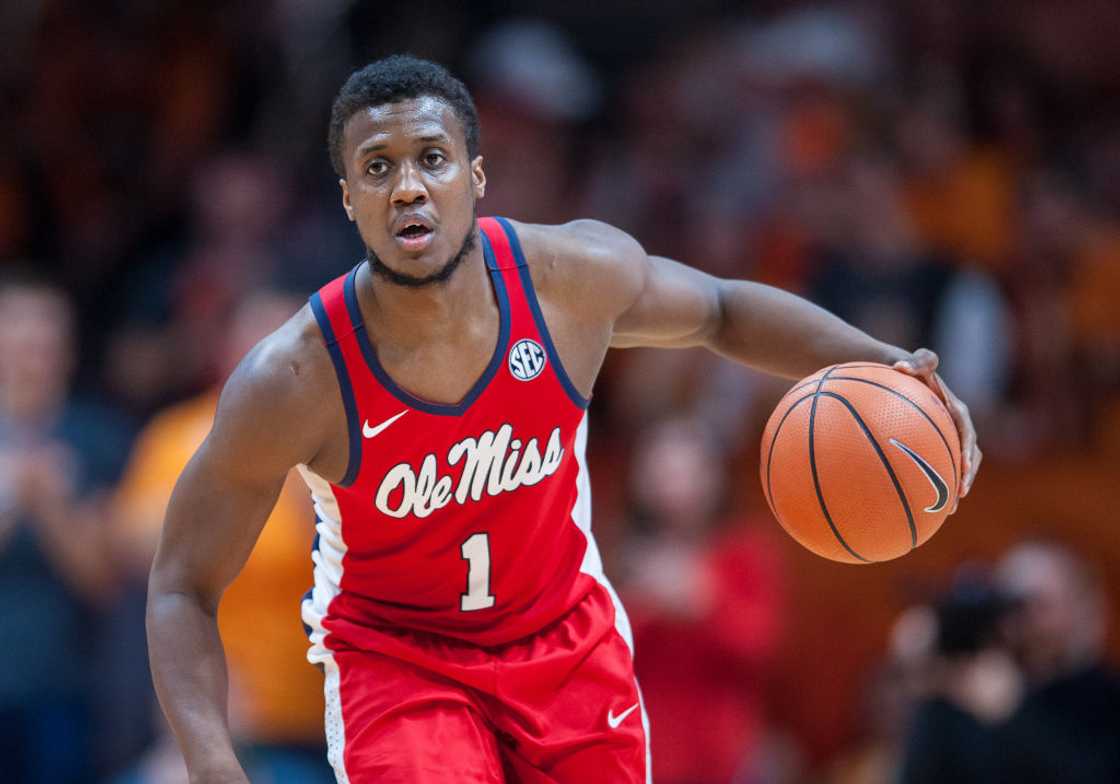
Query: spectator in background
{"x": 875, "y": 269}
{"x": 871, "y": 269}
{"x": 1067, "y": 728}
{"x": 941, "y": 171}
{"x": 178, "y": 302}
{"x": 57, "y": 455}
{"x": 973, "y": 685}
{"x": 1094, "y": 292}
{"x": 883, "y": 715}
{"x": 1051, "y": 389}
{"x": 888, "y": 702}
{"x": 276, "y": 696}
{"x": 531, "y": 87}
{"x": 1019, "y": 691}
{"x": 706, "y": 599}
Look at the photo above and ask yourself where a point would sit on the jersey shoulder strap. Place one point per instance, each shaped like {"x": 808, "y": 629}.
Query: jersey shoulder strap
{"x": 328, "y": 305}
{"x": 501, "y": 237}
{"x": 510, "y": 276}
{"x": 506, "y": 260}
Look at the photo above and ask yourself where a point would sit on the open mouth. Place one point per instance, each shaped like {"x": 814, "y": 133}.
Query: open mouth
{"x": 413, "y": 231}
{"x": 414, "y": 237}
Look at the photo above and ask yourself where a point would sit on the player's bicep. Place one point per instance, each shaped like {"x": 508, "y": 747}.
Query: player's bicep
{"x": 229, "y": 487}
{"x": 212, "y": 523}
{"x": 677, "y": 307}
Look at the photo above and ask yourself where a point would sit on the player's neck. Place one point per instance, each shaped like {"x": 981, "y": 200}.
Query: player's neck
{"x": 414, "y": 315}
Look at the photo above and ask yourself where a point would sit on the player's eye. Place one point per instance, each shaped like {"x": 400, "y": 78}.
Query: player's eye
{"x": 434, "y": 158}
{"x": 377, "y": 167}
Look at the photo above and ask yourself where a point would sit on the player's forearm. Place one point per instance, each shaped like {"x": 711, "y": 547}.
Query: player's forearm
{"x": 783, "y": 334}
{"x": 189, "y": 670}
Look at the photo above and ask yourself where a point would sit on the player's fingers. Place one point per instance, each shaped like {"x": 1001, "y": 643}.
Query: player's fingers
{"x": 922, "y": 362}
{"x": 928, "y": 361}
{"x": 974, "y": 468}
{"x": 942, "y": 391}
{"x": 970, "y": 452}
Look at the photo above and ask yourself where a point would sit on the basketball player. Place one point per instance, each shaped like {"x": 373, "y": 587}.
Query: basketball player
{"x": 434, "y": 399}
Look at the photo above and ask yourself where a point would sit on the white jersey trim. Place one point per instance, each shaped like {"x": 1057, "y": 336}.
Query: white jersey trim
{"x": 593, "y": 566}
{"x": 327, "y": 559}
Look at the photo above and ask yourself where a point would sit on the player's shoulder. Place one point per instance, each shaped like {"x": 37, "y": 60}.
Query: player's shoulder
{"x": 584, "y": 244}
{"x": 593, "y": 261}
{"x": 271, "y": 413}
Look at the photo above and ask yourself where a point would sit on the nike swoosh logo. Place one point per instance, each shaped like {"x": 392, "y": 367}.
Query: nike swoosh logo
{"x": 939, "y": 485}
{"x": 614, "y": 721}
{"x": 370, "y": 432}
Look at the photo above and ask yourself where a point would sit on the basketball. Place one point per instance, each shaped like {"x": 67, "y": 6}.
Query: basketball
{"x": 860, "y": 463}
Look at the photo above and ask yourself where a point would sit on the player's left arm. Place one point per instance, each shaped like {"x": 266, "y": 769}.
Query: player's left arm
{"x": 663, "y": 303}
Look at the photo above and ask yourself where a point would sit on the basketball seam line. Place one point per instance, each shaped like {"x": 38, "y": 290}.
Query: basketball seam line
{"x": 833, "y": 369}
{"x": 770, "y": 455}
{"x": 813, "y": 470}
{"x": 920, "y": 410}
{"x": 886, "y": 465}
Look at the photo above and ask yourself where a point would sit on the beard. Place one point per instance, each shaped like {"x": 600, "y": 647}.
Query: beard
{"x": 378, "y": 267}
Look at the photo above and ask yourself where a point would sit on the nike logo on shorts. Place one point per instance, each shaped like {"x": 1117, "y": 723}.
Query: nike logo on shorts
{"x": 614, "y": 721}
{"x": 370, "y": 432}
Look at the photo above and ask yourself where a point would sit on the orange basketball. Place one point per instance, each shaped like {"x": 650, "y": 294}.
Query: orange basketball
{"x": 861, "y": 463}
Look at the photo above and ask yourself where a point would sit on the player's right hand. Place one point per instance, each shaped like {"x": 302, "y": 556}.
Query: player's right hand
{"x": 923, "y": 364}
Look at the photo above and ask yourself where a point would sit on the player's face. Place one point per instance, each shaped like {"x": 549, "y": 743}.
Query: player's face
{"x": 410, "y": 185}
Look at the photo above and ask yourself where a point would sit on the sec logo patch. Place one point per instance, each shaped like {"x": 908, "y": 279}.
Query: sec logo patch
{"x": 526, "y": 359}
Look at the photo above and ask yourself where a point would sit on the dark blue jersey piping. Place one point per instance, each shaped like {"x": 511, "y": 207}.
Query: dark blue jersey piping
{"x": 538, "y": 317}
{"x": 403, "y": 395}
{"x": 353, "y": 426}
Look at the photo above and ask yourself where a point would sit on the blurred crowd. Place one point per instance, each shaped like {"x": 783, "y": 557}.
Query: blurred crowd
{"x": 941, "y": 174}
{"x": 1001, "y": 679}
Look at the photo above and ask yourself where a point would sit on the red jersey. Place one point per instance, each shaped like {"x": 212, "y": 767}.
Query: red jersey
{"x": 472, "y": 520}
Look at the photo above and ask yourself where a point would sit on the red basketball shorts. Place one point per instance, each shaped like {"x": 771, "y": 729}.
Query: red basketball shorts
{"x": 560, "y": 707}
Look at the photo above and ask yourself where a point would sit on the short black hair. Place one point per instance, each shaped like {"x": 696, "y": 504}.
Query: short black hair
{"x": 398, "y": 78}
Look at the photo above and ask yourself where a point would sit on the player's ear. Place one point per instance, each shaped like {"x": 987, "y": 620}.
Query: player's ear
{"x": 478, "y": 176}
{"x": 346, "y": 198}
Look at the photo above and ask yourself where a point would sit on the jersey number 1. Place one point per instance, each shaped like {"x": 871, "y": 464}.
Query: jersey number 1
{"x": 476, "y": 552}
